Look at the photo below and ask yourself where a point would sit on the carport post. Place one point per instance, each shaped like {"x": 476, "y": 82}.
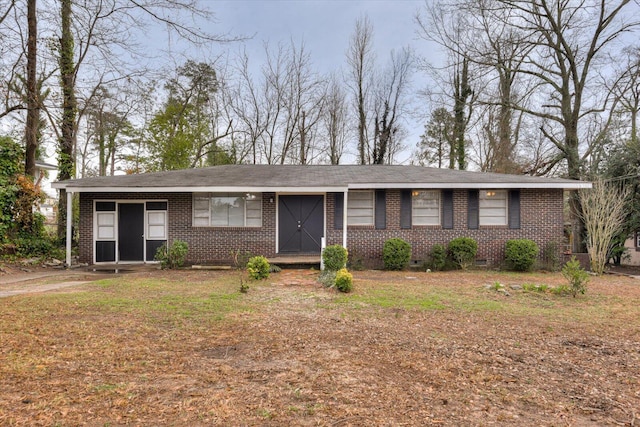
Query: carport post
{"x": 69, "y": 226}
{"x": 344, "y": 219}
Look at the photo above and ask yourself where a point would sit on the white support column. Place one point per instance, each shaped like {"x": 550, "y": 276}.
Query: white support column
{"x": 344, "y": 219}
{"x": 69, "y": 226}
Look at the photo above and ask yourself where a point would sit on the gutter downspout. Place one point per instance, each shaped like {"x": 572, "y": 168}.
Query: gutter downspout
{"x": 69, "y": 226}
{"x": 344, "y": 219}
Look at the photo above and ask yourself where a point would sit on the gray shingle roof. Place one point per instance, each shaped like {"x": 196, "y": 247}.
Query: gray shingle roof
{"x": 297, "y": 178}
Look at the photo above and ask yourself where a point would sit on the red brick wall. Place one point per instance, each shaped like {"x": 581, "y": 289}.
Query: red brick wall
{"x": 541, "y": 221}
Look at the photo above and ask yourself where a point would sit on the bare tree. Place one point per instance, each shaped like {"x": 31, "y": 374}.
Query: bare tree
{"x": 335, "y": 121}
{"x": 360, "y": 59}
{"x": 626, "y": 89}
{"x": 249, "y": 105}
{"x": 500, "y": 50}
{"x": 390, "y": 103}
{"x": 604, "y": 210}
{"x": 568, "y": 42}
{"x": 445, "y": 25}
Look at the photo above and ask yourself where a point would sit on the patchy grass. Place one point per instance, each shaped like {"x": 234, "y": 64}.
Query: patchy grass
{"x": 182, "y": 347}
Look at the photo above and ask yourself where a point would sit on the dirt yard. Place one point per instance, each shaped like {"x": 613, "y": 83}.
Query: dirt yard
{"x": 186, "y": 348}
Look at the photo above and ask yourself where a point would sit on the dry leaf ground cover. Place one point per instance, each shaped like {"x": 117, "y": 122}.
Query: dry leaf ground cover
{"x": 186, "y": 348}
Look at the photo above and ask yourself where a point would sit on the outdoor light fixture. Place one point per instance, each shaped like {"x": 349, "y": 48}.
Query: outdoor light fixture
{"x": 491, "y": 193}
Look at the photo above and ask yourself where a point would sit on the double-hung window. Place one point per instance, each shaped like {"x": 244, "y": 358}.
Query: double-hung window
{"x": 360, "y": 208}
{"x": 425, "y": 207}
{"x": 227, "y": 210}
{"x": 493, "y": 207}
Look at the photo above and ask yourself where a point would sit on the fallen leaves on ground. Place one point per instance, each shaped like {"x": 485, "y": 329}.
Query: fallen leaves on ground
{"x": 186, "y": 347}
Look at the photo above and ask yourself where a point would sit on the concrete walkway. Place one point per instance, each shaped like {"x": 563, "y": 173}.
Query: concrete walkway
{"x": 41, "y": 288}
{"x": 53, "y": 279}
{"x": 42, "y": 281}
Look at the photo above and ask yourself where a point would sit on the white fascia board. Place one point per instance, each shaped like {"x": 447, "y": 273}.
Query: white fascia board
{"x": 226, "y": 189}
{"x": 472, "y": 185}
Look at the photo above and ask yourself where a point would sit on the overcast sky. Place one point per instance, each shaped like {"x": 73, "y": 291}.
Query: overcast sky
{"x": 324, "y": 25}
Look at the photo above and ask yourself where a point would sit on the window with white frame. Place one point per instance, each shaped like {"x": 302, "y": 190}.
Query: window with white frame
{"x": 360, "y": 208}
{"x": 425, "y": 207}
{"x": 493, "y": 207}
{"x": 156, "y": 225}
{"x": 106, "y": 225}
{"x": 227, "y": 210}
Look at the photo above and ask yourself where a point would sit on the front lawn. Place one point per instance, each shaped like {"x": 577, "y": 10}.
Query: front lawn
{"x": 404, "y": 348}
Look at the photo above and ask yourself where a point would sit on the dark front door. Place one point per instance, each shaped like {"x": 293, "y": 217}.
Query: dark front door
{"x": 300, "y": 224}
{"x": 131, "y": 231}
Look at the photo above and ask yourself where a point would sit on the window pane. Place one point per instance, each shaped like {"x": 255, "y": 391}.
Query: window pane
{"x": 106, "y": 222}
{"x": 201, "y": 210}
{"x": 106, "y": 233}
{"x": 105, "y": 206}
{"x": 156, "y": 232}
{"x": 201, "y": 222}
{"x": 156, "y": 218}
{"x": 156, "y": 223}
{"x": 106, "y": 219}
{"x": 493, "y": 207}
{"x": 360, "y": 208}
{"x": 236, "y": 210}
{"x": 156, "y": 206}
{"x": 425, "y": 206}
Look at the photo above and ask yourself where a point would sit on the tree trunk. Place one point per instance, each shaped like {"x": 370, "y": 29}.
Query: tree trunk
{"x": 66, "y": 160}
{"x": 462, "y": 93}
{"x": 33, "y": 105}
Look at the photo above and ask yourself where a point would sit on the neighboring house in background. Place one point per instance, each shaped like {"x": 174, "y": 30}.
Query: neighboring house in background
{"x": 49, "y": 207}
{"x": 276, "y": 210}
{"x": 633, "y": 250}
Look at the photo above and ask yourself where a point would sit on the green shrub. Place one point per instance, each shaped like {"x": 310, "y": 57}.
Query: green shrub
{"x": 577, "y": 277}
{"x": 437, "y": 258}
{"x": 521, "y": 254}
{"x": 463, "y": 251}
{"x": 334, "y": 257}
{"x": 344, "y": 280}
{"x": 28, "y": 247}
{"x": 396, "y": 254}
{"x": 173, "y": 256}
{"x": 258, "y": 268}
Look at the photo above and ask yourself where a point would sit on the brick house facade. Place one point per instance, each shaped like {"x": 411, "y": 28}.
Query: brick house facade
{"x": 171, "y": 212}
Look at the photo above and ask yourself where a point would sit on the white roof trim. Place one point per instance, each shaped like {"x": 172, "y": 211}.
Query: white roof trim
{"x": 225, "y": 189}
{"x": 473, "y": 185}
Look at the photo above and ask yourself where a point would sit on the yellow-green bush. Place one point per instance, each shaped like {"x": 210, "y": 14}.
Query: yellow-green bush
{"x": 344, "y": 280}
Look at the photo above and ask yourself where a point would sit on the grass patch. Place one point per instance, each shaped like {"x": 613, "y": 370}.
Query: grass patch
{"x": 388, "y": 297}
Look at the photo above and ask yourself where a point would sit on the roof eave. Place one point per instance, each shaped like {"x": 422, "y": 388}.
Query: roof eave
{"x": 476, "y": 185}
{"x": 321, "y": 189}
{"x": 199, "y": 189}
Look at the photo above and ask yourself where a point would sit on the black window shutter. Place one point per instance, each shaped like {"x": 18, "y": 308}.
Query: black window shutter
{"x": 405, "y": 209}
{"x": 381, "y": 210}
{"x": 338, "y": 210}
{"x": 514, "y": 209}
{"x": 473, "y": 209}
{"x": 447, "y": 209}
